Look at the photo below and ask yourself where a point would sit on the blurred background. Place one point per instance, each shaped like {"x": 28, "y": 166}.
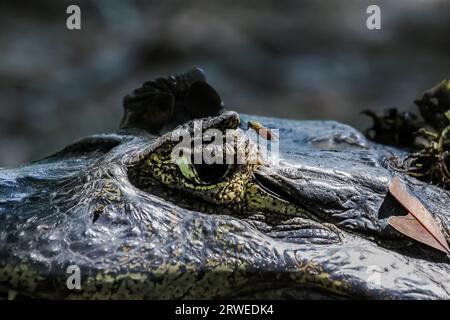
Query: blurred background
{"x": 300, "y": 59}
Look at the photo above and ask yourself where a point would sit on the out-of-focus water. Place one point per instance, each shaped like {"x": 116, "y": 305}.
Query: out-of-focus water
{"x": 293, "y": 59}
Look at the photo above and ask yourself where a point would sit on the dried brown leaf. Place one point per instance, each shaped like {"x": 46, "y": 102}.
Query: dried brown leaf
{"x": 419, "y": 224}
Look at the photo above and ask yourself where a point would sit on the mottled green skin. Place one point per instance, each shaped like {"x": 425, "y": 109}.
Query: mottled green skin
{"x": 98, "y": 204}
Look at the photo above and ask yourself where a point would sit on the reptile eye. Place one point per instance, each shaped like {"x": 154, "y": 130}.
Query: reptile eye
{"x": 209, "y": 173}
{"x": 203, "y": 173}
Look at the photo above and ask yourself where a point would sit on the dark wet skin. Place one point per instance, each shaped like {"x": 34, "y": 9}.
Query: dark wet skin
{"x": 94, "y": 205}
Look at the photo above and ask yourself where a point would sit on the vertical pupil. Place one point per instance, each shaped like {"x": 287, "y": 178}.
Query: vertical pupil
{"x": 211, "y": 172}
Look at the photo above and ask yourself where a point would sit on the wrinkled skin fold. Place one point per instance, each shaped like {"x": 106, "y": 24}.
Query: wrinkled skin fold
{"x": 138, "y": 238}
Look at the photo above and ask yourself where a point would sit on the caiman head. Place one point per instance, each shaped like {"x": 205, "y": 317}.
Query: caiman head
{"x": 209, "y": 209}
{"x": 218, "y": 163}
{"x": 229, "y": 170}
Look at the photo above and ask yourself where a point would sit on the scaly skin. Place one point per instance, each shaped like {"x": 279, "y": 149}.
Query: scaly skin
{"x": 102, "y": 205}
{"x": 140, "y": 225}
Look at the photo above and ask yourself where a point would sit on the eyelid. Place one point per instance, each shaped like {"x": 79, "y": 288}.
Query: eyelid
{"x": 189, "y": 171}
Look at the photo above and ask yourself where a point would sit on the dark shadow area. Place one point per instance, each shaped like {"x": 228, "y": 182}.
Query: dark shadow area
{"x": 391, "y": 207}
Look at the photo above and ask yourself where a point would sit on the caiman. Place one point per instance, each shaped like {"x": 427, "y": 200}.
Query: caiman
{"x": 136, "y": 224}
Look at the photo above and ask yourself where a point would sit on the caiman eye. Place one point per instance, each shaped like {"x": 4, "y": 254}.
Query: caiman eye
{"x": 203, "y": 173}
{"x": 212, "y": 172}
